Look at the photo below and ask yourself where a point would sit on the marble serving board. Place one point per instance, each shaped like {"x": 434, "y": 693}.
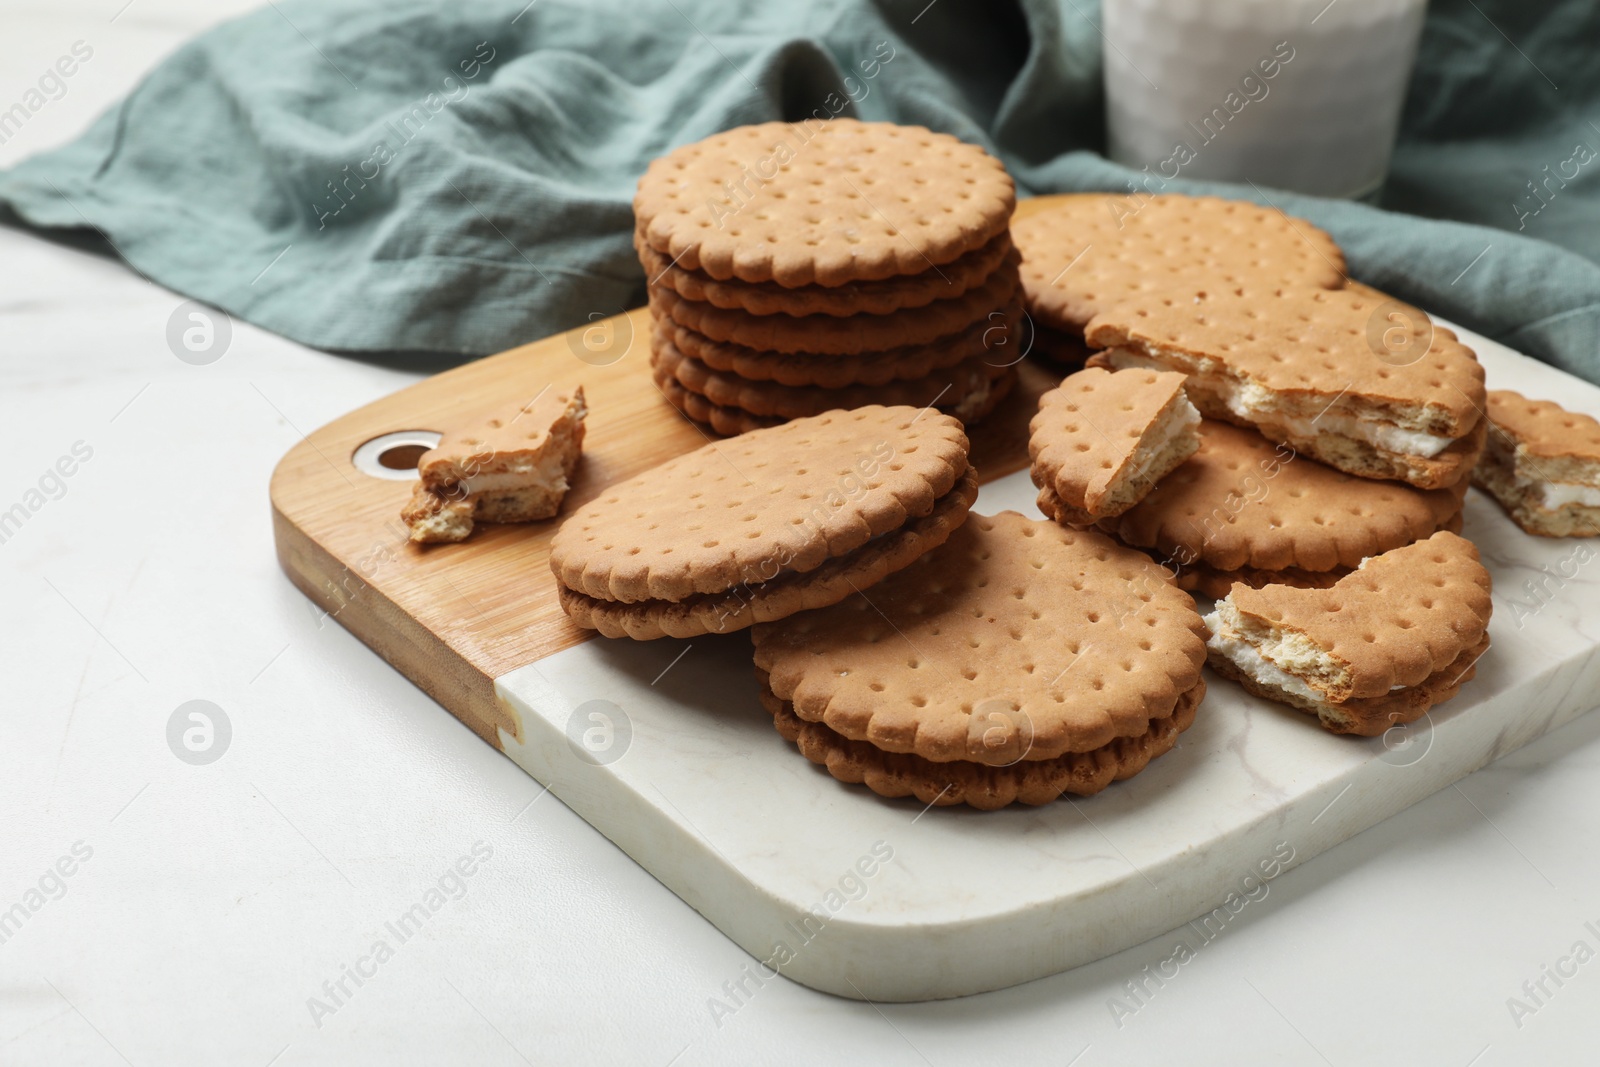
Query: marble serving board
{"x": 708, "y": 798}
{"x": 663, "y": 747}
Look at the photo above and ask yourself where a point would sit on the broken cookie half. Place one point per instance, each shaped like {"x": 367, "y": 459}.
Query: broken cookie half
{"x": 1348, "y": 376}
{"x": 515, "y": 465}
{"x": 1102, "y": 440}
{"x": 1376, "y": 649}
{"x": 1542, "y": 465}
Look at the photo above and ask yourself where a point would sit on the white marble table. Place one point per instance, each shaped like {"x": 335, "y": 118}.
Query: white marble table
{"x": 217, "y": 900}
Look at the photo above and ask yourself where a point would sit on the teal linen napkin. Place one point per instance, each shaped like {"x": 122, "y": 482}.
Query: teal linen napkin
{"x": 366, "y": 176}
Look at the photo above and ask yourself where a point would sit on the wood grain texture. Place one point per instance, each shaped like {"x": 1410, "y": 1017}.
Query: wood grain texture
{"x": 452, "y": 618}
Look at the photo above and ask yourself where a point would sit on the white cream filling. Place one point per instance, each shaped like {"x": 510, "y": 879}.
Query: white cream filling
{"x": 1254, "y": 403}
{"x": 1555, "y": 495}
{"x": 1183, "y": 419}
{"x": 1249, "y": 660}
{"x": 546, "y": 473}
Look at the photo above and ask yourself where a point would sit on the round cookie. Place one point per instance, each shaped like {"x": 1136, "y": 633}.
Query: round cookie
{"x": 1014, "y": 640}
{"x": 849, "y": 336}
{"x": 1085, "y": 252}
{"x": 852, "y": 298}
{"x": 752, "y": 516}
{"x": 822, "y": 203}
{"x": 897, "y": 774}
{"x": 1241, "y": 501}
{"x": 995, "y": 337}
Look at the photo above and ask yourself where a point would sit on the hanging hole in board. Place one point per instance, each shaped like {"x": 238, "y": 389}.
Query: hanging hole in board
{"x": 394, "y": 455}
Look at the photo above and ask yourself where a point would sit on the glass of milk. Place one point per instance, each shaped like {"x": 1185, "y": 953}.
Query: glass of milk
{"x": 1294, "y": 94}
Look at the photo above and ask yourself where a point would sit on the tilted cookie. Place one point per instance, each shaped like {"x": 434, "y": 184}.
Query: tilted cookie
{"x": 850, "y": 336}
{"x": 1376, "y": 649}
{"x": 1542, "y": 465}
{"x": 512, "y": 466}
{"x": 1016, "y": 640}
{"x": 1342, "y": 375}
{"x": 852, "y": 298}
{"x": 756, "y": 528}
{"x": 1084, "y": 253}
{"x": 980, "y": 785}
{"x": 1242, "y": 502}
{"x": 997, "y": 338}
{"x": 1102, "y": 439}
{"x": 822, "y": 203}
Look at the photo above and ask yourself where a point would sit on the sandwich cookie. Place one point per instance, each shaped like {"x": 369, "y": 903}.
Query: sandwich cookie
{"x": 1017, "y": 661}
{"x": 754, "y": 529}
{"x": 513, "y": 466}
{"x": 1102, "y": 439}
{"x": 1378, "y": 648}
{"x": 1542, "y": 465}
{"x": 1340, "y": 375}
{"x": 1244, "y": 509}
{"x": 1084, "y": 253}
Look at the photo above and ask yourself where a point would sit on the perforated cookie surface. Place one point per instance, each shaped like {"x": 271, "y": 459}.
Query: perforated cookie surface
{"x": 1072, "y": 638}
{"x": 822, "y": 203}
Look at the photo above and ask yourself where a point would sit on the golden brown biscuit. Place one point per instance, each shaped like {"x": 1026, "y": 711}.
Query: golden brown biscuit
{"x": 1340, "y": 375}
{"x": 852, "y": 298}
{"x": 1102, "y": 439}
{"x": 822, "y": 203}
{"x": 996, "y": 338}
{"x": 513, "y": 465}
{"x": 849, "y": 336}
{"x": 1542, "y": 465}
{"x": 1014, "y": 640}
{"x": 749, "y": 517}
{"x": 1396, "y": 622}
{"x": 1084, "y": 253}
{"x": 1241, "y": 501}
{"x": 980, "y": 785}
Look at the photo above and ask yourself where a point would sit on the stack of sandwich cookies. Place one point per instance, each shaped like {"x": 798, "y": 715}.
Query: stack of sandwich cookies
{"x": 1102, "y": 439}
{"x": 780, "y": 520}
{"x": 514, "y": 465}
{"x": 1542, "y": 464}
{"x": 829, "y": 256}
{"x": 1328, "y": 372}
{"x": 1377, "y": 649}
{"x": 1016, "y": 662}
{"x": 1083, "y": 254}
{"x": 1242, "y": 509}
